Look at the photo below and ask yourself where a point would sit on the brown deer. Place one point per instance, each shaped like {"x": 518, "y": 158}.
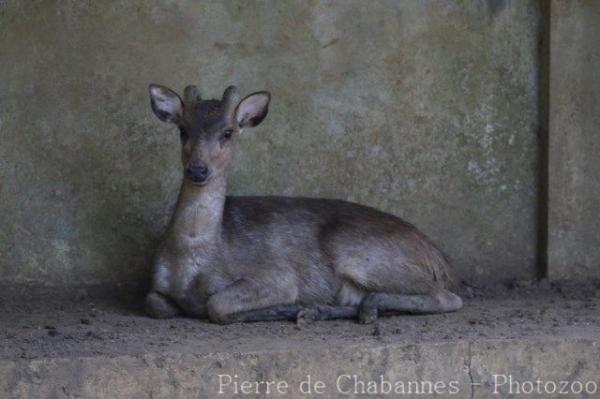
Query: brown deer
{"x": 235, "y": 259}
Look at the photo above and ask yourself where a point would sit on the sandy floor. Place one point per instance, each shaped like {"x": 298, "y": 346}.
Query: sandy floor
{"x": 38, "y": 323}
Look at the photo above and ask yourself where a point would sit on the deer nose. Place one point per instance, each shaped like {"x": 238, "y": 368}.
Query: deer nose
{"x": 198, "y": 172}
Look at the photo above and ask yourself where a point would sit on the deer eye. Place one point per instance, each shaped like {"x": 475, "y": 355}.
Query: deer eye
{"x": 227, "y": 134}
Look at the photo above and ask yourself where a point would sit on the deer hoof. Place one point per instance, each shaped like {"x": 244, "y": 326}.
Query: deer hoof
{"x": 368, "y": 312}
{"x": 307, "y": 316}
{"x": 367, "y": 317}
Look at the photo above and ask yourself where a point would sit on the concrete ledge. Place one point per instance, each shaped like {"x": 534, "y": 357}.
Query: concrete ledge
{"x": 59, "y": 348}
{"x": 489, "y": 368}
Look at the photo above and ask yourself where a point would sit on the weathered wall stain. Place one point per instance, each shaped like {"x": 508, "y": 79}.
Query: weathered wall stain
{"x": 497, "y": 6}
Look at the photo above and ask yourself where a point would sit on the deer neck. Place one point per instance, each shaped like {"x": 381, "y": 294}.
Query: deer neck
{"x": 198, "y": 215}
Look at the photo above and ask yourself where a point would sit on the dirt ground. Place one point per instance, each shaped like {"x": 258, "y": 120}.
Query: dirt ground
{"x": 40, "y": 323}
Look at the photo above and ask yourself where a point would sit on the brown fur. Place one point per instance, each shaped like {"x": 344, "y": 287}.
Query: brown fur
{"x": 269, "y": 258}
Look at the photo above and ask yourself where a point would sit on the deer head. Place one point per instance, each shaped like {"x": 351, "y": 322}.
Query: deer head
{"x": 208, "y": 128}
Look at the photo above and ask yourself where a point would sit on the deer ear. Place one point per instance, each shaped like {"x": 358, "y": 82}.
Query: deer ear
{"x": 253, "y": 109}
{"x": 166, "y": 104}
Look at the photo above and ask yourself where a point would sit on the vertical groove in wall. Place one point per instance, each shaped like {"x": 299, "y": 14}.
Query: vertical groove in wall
{"x": 543, "y": 134}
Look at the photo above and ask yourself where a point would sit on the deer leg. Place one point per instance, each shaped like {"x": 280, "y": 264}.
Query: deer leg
{"x": 159, "y": 306}
{"x": 326, "y": 312}
{"x": 272, "y": 313}
{"x": 247, "y": 300}
{"x": 300, "y": 314}
{"x": 375, "y": 302}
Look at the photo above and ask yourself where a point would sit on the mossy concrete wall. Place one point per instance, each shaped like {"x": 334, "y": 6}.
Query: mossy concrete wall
{"x": 426, "y": 109}
{"x": 574, "y": 179}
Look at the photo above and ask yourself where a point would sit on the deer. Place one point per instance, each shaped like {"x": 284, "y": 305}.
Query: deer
{"x": 234, "y": 259}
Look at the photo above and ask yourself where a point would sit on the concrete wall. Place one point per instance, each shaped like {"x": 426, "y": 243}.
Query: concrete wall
{"x": 427, "y": 109}
{"x": 574, "y": 206}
